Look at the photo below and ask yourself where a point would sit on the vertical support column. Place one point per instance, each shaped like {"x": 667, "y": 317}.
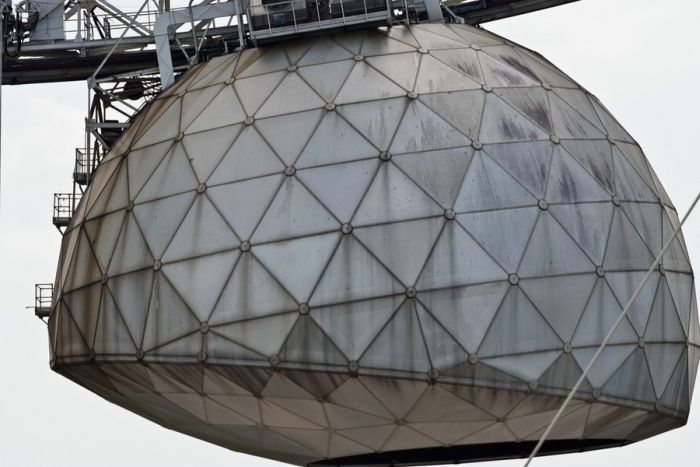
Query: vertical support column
{"x": 239, "y": 16}
{"x": 434, "y": 10}
{"x": 169, "y": 20}
{"x": 2, "y": 55}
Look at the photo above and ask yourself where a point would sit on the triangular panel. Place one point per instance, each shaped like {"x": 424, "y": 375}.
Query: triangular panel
{"x": 400, "y": 345}
{"x": 609, "y": 360}
{"x": 346, "y": 143}
{"x": 103, "y": 234}
{"x": 647, "y": 220}
{"x": 141, "y": 165}
{"x": 681, "y": 287}
{"x": 628, "y": 184}
{"x": 352, "y": 326}
{"x": 251, "y": 292}
{"x": 288, "y": 134}
{"x": 501, "y": 124}
{"x": 443, "y": 349}
{"x": 528, "y": 163}
{"x": 662, "y": 360}
{"x": 377, "y": 123}
{"x": 400, "y": 68}
{"x": 569, "y": 123}
{"x": 422, "y": 130}
{"x": 206, "y": 148}
{"x": 466, "y": 311}
{"x": 324, "y": 50}
{"x": 273, "y": 59}
{"x": 201, "y": 280}
{"x": 440, "y": 173}
{"x": 561, "y": 300}
{"x": 159, "y": 220}
{"x": 435, "y": 76}
{"x": 461, "y": 109}
{"x": 254, "y": 91}
{"x": 243, "y": 204}
{"x": 203, "y": 231}
{"x": 498, "y": 74}
{"x": 598, "y": 318}
{"x": 354, "y": 274}
{"x": 613, "y": 128}
{"x": 464, "y": 60}
{"x": 195, "y": 101}
{"x": 249, "y": 157}
{"x": 131, "y": 252}
{"x": 165, "y": 127}
{"x": 174, "y": 175}
{"x": 527, "y": 367}
{"x": 354, "y": 395}
{"x": 429, "y": 40}
{"x": 293, "y": 213}
{"x": 292, "y": 95}
{"x": 568, "y": 182}
{"x": 308, "y": 344}
{"x": 488, "y": 186}
{"x": 632, "y": 380}
{"x": 132, "y": 295}
{"x": 169, "y": 317}
{"x": 111, "y": 334}
{"x": 340, "y": 186}
{"x": 588, "y": 224}
{"x": 563, "y": 374}
{"x": 551, "y": 251}
{"x": 532, "y": 102}
{"x": 440, "y": 405}
{"x": 394, "y": 197}
{"x": 224, "y": 110}
{"x": 623, "y": 285}
{"x": 635, "y": 156}
{"x": 458, "y": 260}
{"x": 84, "y": 306}
{"x": 595, "y": 156}
{"x": 297, "y": 264}
{"x": 626, "y": 250}
{"x": 402, "y": 247}
{"x": 502, "y": 233}
{"x": 388, "y": 41}
{"x": 664, "y": 324}
{"x": 365, "y": 84}
{"x": 264, "y": 335}
{"x": 518, "y": 328}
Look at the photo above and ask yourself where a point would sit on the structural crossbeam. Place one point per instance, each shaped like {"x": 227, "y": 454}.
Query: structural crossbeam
{"x": 94, "y": 32}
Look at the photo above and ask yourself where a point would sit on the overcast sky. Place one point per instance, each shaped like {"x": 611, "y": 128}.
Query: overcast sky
{"x": 639, "y": 57}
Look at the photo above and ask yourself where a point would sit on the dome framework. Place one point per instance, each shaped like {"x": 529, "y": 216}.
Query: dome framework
{"x": 395, "y": 245}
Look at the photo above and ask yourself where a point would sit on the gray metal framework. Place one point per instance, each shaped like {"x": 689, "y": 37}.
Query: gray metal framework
{"x": 482, "y": 11}
{"x": 91, "y": 29}
{"x": 43, "y": 296}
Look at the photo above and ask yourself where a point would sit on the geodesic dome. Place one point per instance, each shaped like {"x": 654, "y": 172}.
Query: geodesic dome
{"x": 396, "y": 245}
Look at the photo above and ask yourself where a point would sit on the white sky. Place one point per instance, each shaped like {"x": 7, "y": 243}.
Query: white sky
{"x": 639, "y": 57}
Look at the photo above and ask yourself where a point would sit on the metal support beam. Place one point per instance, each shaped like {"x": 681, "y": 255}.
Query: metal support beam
{"x": 168, "y": 21}
{"x": 492, "y": 10}
{"x": 434, "y": 10}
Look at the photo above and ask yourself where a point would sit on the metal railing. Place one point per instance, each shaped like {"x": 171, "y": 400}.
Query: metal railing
{"x": 294, "y": 16}
{"x": 100, "y": 24}
{"x": 85, "y": 165}
{"x": 64, "y": 205}
{"x": 43, "y": 298}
